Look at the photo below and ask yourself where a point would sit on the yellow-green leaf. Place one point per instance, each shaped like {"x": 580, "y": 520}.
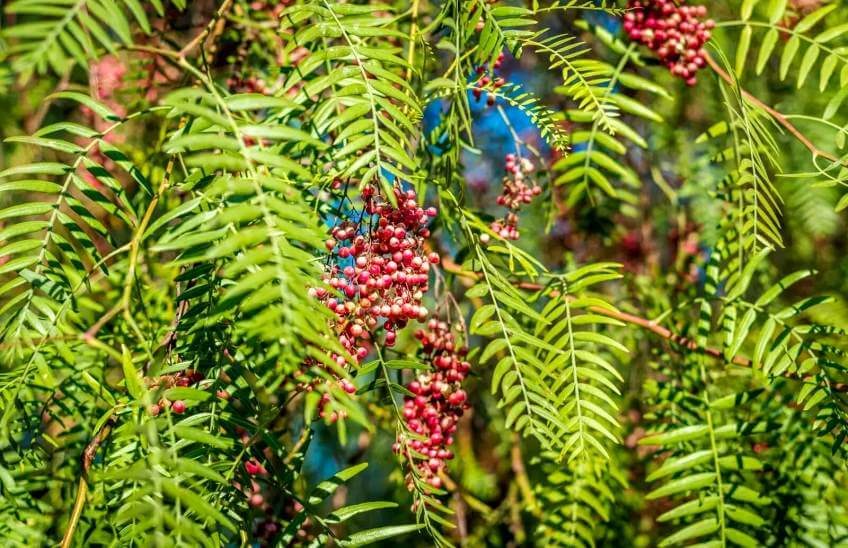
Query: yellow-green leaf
{"x": 788, "y": 55}
{"x": 807, "y": 63}
{"x": 742, "y": 49}
{"x": 766, "y": 49}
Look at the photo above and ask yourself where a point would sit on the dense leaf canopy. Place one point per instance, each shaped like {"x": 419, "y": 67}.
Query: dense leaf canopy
{"x": 455, "y": 272}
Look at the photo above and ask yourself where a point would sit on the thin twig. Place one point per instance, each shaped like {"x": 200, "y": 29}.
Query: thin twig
{"x": 135, "y": 243}
{"x": 301, "y": 441}
{"x": 92, "y": 331}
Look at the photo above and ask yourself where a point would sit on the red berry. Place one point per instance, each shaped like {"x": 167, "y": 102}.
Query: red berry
{"x": 253, "y": 467}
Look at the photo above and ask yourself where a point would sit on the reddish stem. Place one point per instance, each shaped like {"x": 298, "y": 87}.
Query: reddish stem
{"x": 779, "y": 118}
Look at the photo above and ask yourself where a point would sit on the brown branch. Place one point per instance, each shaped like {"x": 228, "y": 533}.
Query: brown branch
{"x": 665, "y": 333}
{"x": 94, "y": 444}
{"x": 169, "y": 340}
{"x": 200, "y": 38}
{"x": 653, "y": 327}
{"x": 778, "y": 117}
{"x": 82, "y": 489}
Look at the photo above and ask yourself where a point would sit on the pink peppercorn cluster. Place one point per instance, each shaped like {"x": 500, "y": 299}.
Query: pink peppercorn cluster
{"x": 251, "y": 84}
{"x": 180, "y": 379}
{"x": 381, "y": 270}
{"x": 281, "y": 517}
{"x": 677, "y": 34}
{"x": 438, "y": 404}
{"x": 378, "y": 274}
{"x": 485, "y": 79}
{"x": 516, "y": 193}
{"x": 326, "y": 398}
{"x": 259, "y": 491}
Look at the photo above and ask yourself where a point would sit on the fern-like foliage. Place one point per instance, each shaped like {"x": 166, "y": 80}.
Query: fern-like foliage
{"x": 810, "y": 209}
{"x": 700, "y": 426}
{"x": 809, "y": 505}
{"x": 588, "y": 377}
{"x": 786, "y": 345}
{"x": 502, "y": 27}
{"x": 57, "y": 34}
{"x": 365, "y": 104}
{"x": 184, "y": 503}
{"x": 577, "y": 501}
{"x": 253, "y": 224}
{"x": 518, "y": 375}
{"x": 55, "y": 242}
{"x": 818, "y": 50}
{"x": 555, "y": 379}
{"x": 166, "y": 379}
{"x": 754, "y": 204}
{"x": 584, "y": 80}
{"x": 596, "y": 164}
{"x": 713, "y": 484}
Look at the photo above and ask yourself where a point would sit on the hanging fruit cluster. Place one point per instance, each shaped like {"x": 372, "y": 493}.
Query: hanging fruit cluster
{"x": 484, "y": 80}
{"x": 378, "y": 273}
{"x": 515, "y": 194}
{"x": 438, "y": 403}
{"x": 676, "y": 33}
{"x": 184, "y": 378}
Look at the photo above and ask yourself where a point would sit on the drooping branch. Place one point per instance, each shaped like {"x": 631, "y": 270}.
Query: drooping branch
{"x": 644, "y": 323}
{"x": 778, "y": 116}
{"x": 666, "y": 333}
